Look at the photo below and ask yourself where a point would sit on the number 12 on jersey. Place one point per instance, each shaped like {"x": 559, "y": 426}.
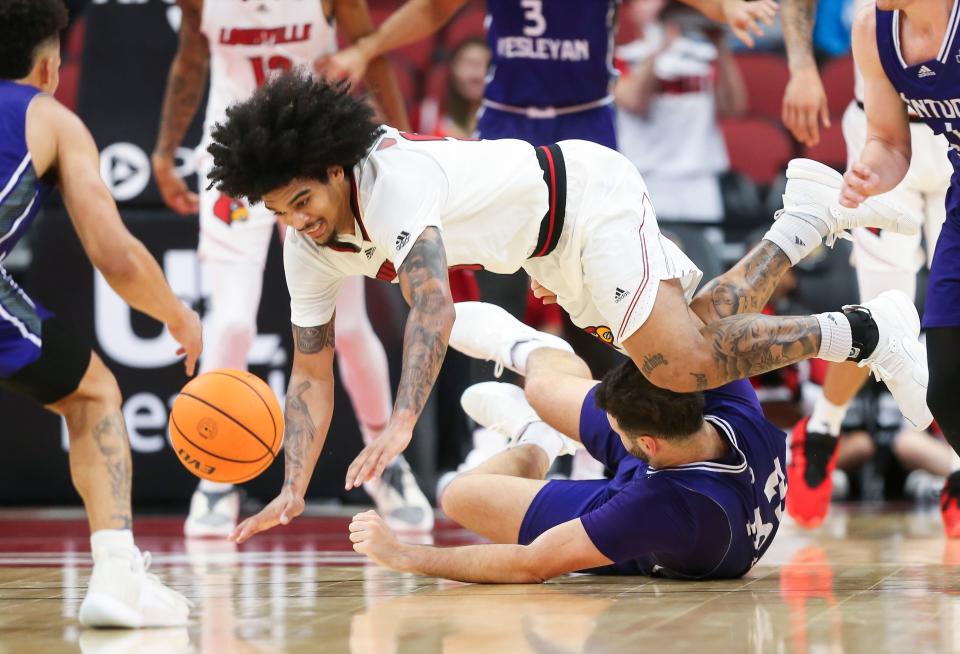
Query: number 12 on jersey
{"x": 264, "y": 66}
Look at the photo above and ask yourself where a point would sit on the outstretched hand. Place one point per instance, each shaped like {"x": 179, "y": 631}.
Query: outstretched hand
{"x": 745, "y": 17}
{"x": 859, "y": 183}
{"x": 188, "y": 332}
{"x": 805, "y": 106}
{"x": 349, "y": 63}
{"x": 284, "y": 508}
{"x": 375, "y": 457}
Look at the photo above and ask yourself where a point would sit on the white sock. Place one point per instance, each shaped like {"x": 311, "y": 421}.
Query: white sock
{"x": 543, "y": 436}
{"x": 521, "y": 352}
{"x": 836, "y": 341}
{"x": 827, "y": 417}
{"x": 208, "y": 486}
{"x": 105, "y": 541}
{"x": 797, "y": 234}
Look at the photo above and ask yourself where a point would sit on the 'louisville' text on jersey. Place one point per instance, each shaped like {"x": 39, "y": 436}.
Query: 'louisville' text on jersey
{"x": 928, "y": 108}
{"x": 527, "y": 47}
{"x": 265, "y": 35}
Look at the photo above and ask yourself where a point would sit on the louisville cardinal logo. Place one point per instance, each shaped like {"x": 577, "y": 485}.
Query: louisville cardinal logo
{"x": 229, "y": 210}
{"x": 601, "y": 332}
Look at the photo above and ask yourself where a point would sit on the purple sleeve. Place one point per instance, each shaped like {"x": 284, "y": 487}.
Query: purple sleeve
{"x": 601, "y": 441}
{"x": 646, "y": 516}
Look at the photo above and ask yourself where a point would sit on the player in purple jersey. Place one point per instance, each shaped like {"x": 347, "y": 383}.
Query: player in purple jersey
{"x": 909, "y": 54}
{"x": 698, "y": 478}
{"x": 42, "y": 145}
{"x": 551, "y": 65}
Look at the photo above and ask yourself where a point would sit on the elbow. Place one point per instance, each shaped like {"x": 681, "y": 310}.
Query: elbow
{"x": 117, "y": 265}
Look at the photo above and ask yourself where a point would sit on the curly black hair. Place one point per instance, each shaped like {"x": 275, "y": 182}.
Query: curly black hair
{"x": 296, "y": 125}
{"x": 25, "y": 25}
{"x": 642, "y": 408}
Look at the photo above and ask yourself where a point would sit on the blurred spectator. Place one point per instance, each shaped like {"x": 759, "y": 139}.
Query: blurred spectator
{"x": 455, "y": 114}
{"x": 678, "y": 76}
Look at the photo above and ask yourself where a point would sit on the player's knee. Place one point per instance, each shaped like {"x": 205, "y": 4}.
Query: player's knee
{"x": 354, "y": 334}
{"x": 98, "y": 393}
{"x": 452, "y": 500}
{"x": 237, "y": 335}
{"x": 537, "y": 390}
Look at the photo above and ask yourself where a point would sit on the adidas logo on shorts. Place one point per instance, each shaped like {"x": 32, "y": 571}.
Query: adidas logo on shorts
{"x": 619, "y": 294}
{"x": 402, "y": 240}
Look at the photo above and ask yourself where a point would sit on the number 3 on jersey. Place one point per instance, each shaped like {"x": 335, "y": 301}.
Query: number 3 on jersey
{"x": 533, "y": 12}
{"x": 264, "y": 66}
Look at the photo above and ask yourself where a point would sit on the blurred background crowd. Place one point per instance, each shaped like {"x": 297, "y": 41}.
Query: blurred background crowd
{"x": 697, "y": 113}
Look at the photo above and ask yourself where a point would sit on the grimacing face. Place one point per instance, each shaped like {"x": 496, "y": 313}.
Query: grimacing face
{"x": 311, "y": 207}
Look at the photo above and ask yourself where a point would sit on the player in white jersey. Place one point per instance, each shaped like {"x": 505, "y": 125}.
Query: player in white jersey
{"x": 883, "y": 260}
{"x": 243, "y": 43}
{"x": 362, "y": 199}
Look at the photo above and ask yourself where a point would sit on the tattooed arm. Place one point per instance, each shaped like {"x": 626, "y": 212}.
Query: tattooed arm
{"x": 424, "y": 282}
{"x": 185, "y": 87}
{"x": 307, "y": 412}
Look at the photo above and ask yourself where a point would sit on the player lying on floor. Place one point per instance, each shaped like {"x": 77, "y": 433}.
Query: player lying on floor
{"x": 697, "y": 492}
{"x": 364, "y": 199}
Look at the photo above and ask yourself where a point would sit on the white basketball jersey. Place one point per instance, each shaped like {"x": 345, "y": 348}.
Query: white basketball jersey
{"x": 250, "y": 40}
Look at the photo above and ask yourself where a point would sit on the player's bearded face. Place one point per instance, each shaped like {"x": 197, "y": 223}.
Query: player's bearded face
{"x": 309, "y": 206}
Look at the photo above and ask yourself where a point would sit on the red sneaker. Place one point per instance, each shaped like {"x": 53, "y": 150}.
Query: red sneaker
{"x": 809, "y": 484}
{"x": 950, "y": 505}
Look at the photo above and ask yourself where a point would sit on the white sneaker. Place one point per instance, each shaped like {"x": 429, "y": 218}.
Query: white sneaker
{"x": 487, "y": 332}
{"x": 899, "y": 360}
{"x": 212, "y": 515}
{"x": 123, "y": 594}
{"x": 399, "y": 499}
{"x": 504, "y": 408}
{"x": 923, "y": 486}
{"x": 814, "y": 188}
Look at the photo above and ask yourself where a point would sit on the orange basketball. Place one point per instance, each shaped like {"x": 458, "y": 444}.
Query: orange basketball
{"x": 226, "y": 426}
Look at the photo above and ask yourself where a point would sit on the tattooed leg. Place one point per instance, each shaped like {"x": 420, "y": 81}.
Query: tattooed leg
{"x": 745, "y": 288}
{"x": 100, "y": 464}
{"x": 675, "y": 350}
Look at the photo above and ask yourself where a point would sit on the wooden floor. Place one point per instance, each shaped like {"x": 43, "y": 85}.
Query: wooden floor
{"x": 881, "y": 580}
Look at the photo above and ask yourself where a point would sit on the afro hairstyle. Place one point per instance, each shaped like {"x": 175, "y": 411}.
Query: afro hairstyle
{"x": 295, "y": 126}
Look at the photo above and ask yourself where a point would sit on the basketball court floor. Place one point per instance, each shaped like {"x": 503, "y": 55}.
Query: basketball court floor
{"x": 870, "y": 580}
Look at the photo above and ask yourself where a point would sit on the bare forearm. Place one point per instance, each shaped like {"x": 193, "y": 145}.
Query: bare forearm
{"x": 709, "y": 8}
{"x": 185, "y": 86}
{"x": 491, "y": 564}
{"x": 634, "y": 92}
{"x": 797, "y": 21}
{"x": 307, "y": 413}
{"x": 383, "y": 84}
{"x": 731, "y": 89}
{"x": 424, "y": 280}
{"x": 745, "y": 288}
{"x": 415, "y": 20}
{"x": 424, "y": 347}
{"x": 887, "y": 161}
{"x": 136, "y": 276}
